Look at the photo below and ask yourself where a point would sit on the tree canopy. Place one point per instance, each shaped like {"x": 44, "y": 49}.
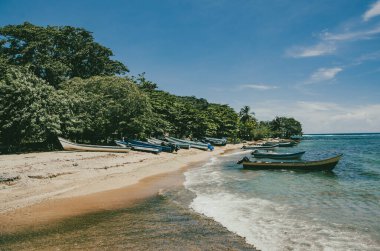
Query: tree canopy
{"x": 30, "y": 110}
{"x": 57, "y": 53}
{"x": 102, "y": 106}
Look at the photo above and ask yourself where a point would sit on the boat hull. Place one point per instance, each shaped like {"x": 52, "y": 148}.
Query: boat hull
{"x": 70, "y": 146}
{"x": 138, "y": 147}
{"x": 253, "y": 147}
{"x": 287, "y": 144}
{"x": 320, "y": 165}
{"x": 191, "y": 144}
{"x": 148, "y": 144}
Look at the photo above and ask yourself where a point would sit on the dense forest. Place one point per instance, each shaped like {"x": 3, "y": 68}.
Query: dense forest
{"x": 57, "y": 81}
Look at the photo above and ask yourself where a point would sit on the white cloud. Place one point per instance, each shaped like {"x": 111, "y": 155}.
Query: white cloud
{"x": 323, "y": 117}
{"x": 261, "y": 87}
{"x": 355, "y": 35}
{"x": 313, "y": 51}
{"x": 372, "y": 12}
{"x": 329, "y": 42}
{"x": 318, "y": 106}
{"x": 324, "y": 74}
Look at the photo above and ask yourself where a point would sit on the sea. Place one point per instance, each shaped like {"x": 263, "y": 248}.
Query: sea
{"x": 224, "y": 207}
{"x": 288, "y": 210}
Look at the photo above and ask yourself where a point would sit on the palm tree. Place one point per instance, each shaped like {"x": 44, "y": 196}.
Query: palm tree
{"x": 245, "y": 114}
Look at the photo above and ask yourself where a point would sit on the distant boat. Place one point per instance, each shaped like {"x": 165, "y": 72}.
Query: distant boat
{"x": 193, "y": 144}
{"x": 287, "y": 144}
{"x": 136, "y": 147}
{"x": 318, "y": 165}
{"x": 273, "y": 155}
{"x": 266, "y": 147}
{"x": 70, "y": 146}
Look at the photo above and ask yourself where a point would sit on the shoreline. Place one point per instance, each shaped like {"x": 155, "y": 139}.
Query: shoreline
{"x": 78, "y": 183}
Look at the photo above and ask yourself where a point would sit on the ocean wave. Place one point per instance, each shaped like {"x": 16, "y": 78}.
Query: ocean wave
{"x": 271, "y": 226}
{"x": 267, "y": 224}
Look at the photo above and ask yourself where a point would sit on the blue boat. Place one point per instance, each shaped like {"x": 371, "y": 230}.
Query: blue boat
{"x": 168, "y": 149}
{"x": 139, "y": 147}
{"x": 215, "y": 141}
{"x": 162, "y": 142}
{"x": 270, "y": 147}
{"x": 193, "y": 144}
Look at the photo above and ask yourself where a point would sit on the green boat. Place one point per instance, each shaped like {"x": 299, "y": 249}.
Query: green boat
{"x": 317, "y": 165}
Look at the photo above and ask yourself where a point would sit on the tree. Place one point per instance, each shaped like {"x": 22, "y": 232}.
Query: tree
{"x": 285, "y": 127}
{"x": 103, "y": 106}
{"x": 143, "y": 83}
{"x": 57, "y": 53}
{"x": 30, "y": 109}
{"x": 247, "y": 123}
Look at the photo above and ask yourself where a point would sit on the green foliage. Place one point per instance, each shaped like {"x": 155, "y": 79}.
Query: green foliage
{"x": 285, "y": 127}
{"x": 262, "y": 130}
{"x": 105, "y": 106}
{"x": 247, "y": 123}
{"x": 187, "y": 116}
{"x": 30, "y": 110}
{"x": 57, "y": 53}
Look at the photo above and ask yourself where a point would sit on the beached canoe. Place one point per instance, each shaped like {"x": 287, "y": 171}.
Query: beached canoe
{"x": 136, "y": 147}
{"x": 317, "y": 165}
{"x": 159, "y": 142}
{"x": 179, "y": 144}
{"x": 215, "y": 141}
{"x": 70, "y": 146}
{"x": 264, "y": 147}
{"x": 163, "y": 148}
{"x": 193, "y": 144}
{"x": 275, "y": 155}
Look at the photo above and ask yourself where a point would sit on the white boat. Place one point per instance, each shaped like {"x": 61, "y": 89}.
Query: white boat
{"x": 70, "y": 146}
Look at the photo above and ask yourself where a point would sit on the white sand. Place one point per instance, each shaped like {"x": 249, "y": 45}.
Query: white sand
{"x": 54, "y": 175}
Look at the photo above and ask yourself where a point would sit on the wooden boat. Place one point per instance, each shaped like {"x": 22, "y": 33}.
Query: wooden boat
{"x": 270, "y": 147}
{"x": 193, "y": 144}
{"x": 274, "y": 155}
{"x": 286, "y": 144}
{"x": 163, "y": 148}
{"x": 136, "y": 147}
{"x": 215, "y": 141}
{"x": 70, "y": 146}
{"x": 317, "y": 165}
{"x": 269, "y": 143}
{"x": 179, "y": 144}
{"x": 164, "y": 143}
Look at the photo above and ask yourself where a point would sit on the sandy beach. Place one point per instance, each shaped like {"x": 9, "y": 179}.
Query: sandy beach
{"x": 42, "y": 187}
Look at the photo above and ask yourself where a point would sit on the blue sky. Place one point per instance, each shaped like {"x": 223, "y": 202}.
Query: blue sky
{"x": 315, "y": 60}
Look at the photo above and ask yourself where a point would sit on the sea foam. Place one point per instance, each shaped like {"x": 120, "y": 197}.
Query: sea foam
{"x": 265, "y": 224}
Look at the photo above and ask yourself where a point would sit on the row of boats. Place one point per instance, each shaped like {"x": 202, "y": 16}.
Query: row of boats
{"x": 282, "y": 159}
{"x": 152, "y": 145}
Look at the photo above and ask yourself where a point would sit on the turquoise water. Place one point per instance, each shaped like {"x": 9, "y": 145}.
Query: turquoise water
{"x": 287, "y": 210}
